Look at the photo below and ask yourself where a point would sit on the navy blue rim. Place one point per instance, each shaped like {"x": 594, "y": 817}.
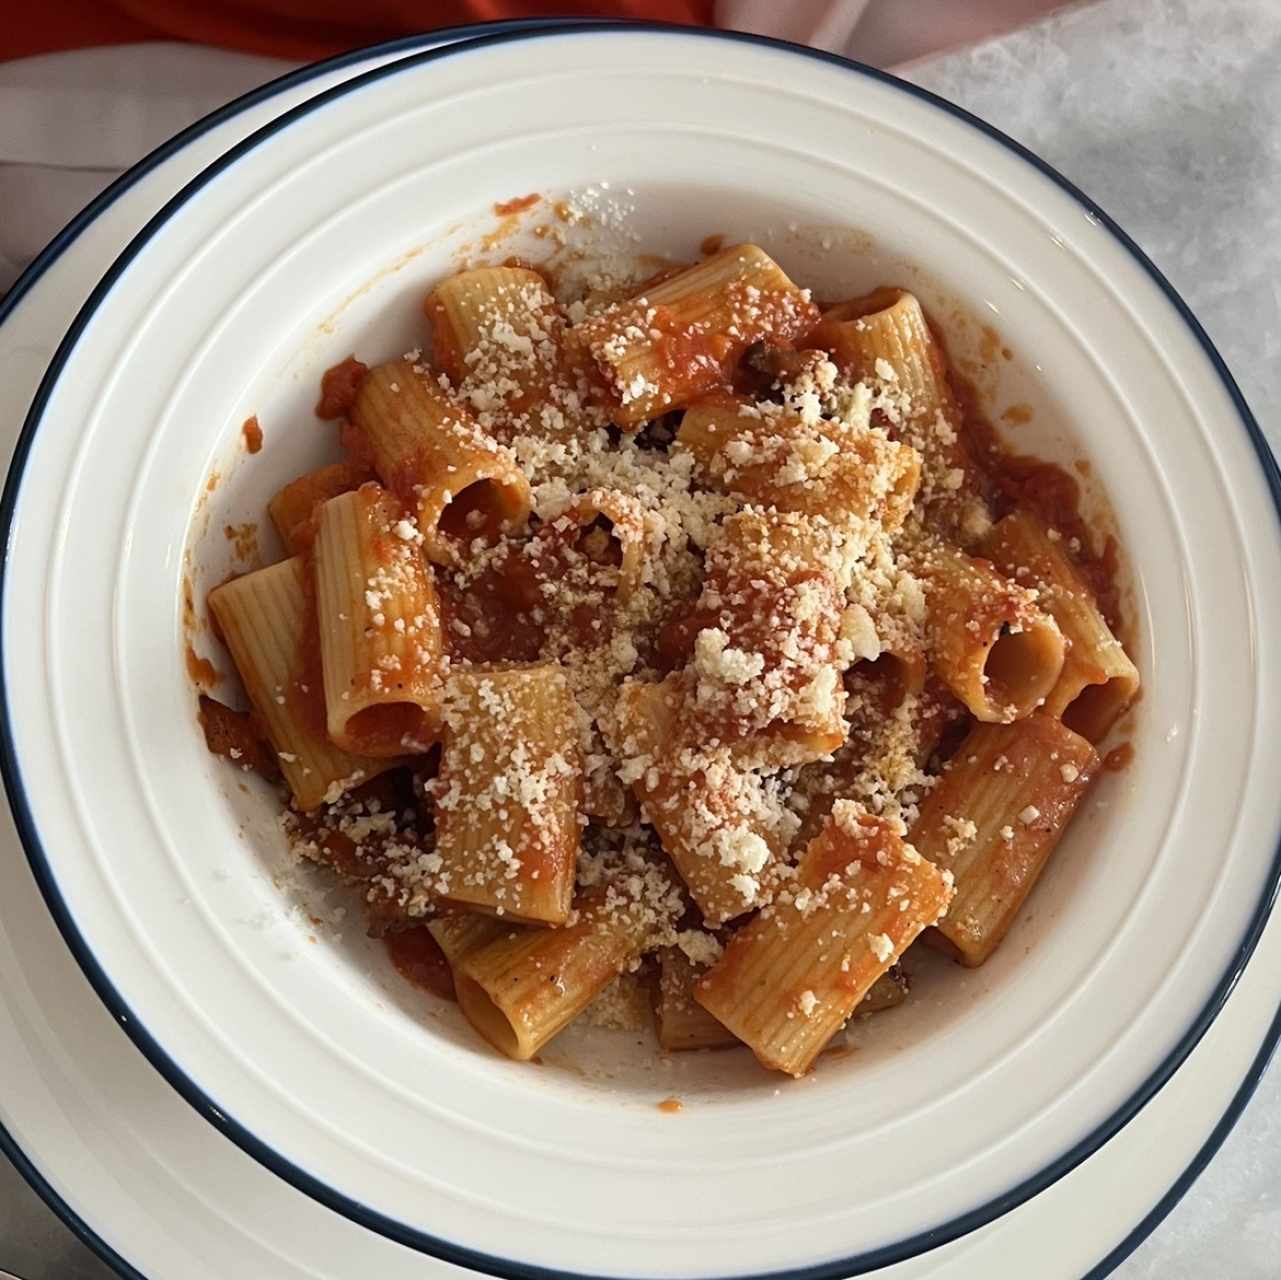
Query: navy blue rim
{"x": 299, "y": 1178}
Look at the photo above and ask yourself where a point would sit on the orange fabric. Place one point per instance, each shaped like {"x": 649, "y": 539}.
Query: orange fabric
{"x": 298, "y": 29}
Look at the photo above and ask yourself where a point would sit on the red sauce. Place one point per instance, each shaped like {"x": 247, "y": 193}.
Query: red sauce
{"x": 201, "y": 670}
{"x": 518, "y": 205}
{"x": 338, "y": 387}
{"x": 677, "y": 635}
{"x": 237, "y": 736}
{"x": 990, "y": 347}
{"x": 1119, "y": 758}
{"x": 252, "y": 433}
{"x": 712, "y": 245}
{"x": 1017, "y": 481}
{"x": 244, "y": 539}
{"x": 687, "y": 352}
{"x": 356, "y": 445}
{"x": 188, "y": 605}
{"x": 418, "y": 957}
{"x": 670, "y": 1106}
{"x": 494, "y": 624}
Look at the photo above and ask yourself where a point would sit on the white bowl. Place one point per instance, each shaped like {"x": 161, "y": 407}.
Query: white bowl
{"x": 319, "y": 236}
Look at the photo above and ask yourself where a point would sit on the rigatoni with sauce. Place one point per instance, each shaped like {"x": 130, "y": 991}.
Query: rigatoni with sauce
{"x": 380, "y": 637}
{"x": 265, "y": 619}
{"x": 429, "y": 450}
{"x": 677, "y": 640}
{"x": 995, "y": 817}
{"x": 684, "y": 336}
{"x": 792, "y": 976}
{"x": 508, "y": 794}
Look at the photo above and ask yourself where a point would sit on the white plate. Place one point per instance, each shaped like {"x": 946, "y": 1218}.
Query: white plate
{"x": 1174, "y": 1001}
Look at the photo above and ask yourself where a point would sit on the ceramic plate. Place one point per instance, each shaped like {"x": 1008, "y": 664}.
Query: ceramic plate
{"x": 231, "y": 303}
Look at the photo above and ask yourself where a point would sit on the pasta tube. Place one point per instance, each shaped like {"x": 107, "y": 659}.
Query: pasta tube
{"x": 767, "y": 664}
{"x": 430, "y": 452}
{"x": 1098, "y": 681}
{"x": 885, "y": 341}
{"x": 994, "y": 819}
{"x": 885, "y": 337}
{"x": 792, "y": 976}
{"x": 524, "y": 987}
{"x": 508, "y": 792}
{"x": 497, "y": 335}
{"x": 992, "y": 645}
{"x": 380, "y": 637}
{"x": 680, "y": 1021}
{"x": 720, "y": 825}
{"x": 461, "y": 934}
{"x": 658, "y": 352}
{"x": 773, "y": 458}
{"x": 293, "y": 507}
{"x": 267, "y": 621}
{"x": 610, "y": 528}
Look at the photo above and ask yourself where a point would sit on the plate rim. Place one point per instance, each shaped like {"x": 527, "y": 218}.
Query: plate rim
{"x": 470, "y": 38}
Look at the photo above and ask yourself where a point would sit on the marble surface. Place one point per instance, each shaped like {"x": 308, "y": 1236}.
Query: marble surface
{"x": 1168, "y": 113}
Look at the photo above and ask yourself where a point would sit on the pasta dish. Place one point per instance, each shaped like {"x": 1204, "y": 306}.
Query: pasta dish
{"x": 691, "y": 643}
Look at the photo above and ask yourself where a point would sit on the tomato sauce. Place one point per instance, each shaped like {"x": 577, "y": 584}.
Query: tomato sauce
{"x": 517, "y": 205}
{"x": 244, "y": 540}
{"x": 237, "y": 736}
{"x": 252, "y": 433}
{"x": 338, "y": 388}
{"x": 1017, "y": 481}
{"x": 488, "y": 621}
{"x": 201, "y": 670}
{"x": 418, "y": 957}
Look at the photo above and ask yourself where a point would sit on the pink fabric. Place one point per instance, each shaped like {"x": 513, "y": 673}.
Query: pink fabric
{"x": 70, "y": 122}
{"x": 886, "y": 33}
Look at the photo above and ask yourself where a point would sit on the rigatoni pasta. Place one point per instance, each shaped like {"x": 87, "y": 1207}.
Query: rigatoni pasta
{"x": 994, "y": 819}
{"x": 380, "y": 634}
{"x": 792, "y": 976}
{"x": 719, "y": 823}
{"x": 847, "y": 474}
{"x": 498, "y": 336}
{"x": 768, "y": 661}
{"x": 682, "y": 337}
{"x": 508, "y": 792}
{"x": 673, "y": 642}
{"x": 294, "y": 507}
{"x": 264, "y": 619}
{"x": 1098, "y": 680}
{"x": 526, "y": 986}
{"x": 428, "y": 449}
{"x": 993, "y": 645}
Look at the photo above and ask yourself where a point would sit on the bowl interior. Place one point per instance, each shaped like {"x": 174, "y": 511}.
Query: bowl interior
{"x": 625, "y": 229}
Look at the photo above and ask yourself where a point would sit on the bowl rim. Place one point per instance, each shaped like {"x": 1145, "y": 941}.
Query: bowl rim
{"x": 441, "y": 44}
